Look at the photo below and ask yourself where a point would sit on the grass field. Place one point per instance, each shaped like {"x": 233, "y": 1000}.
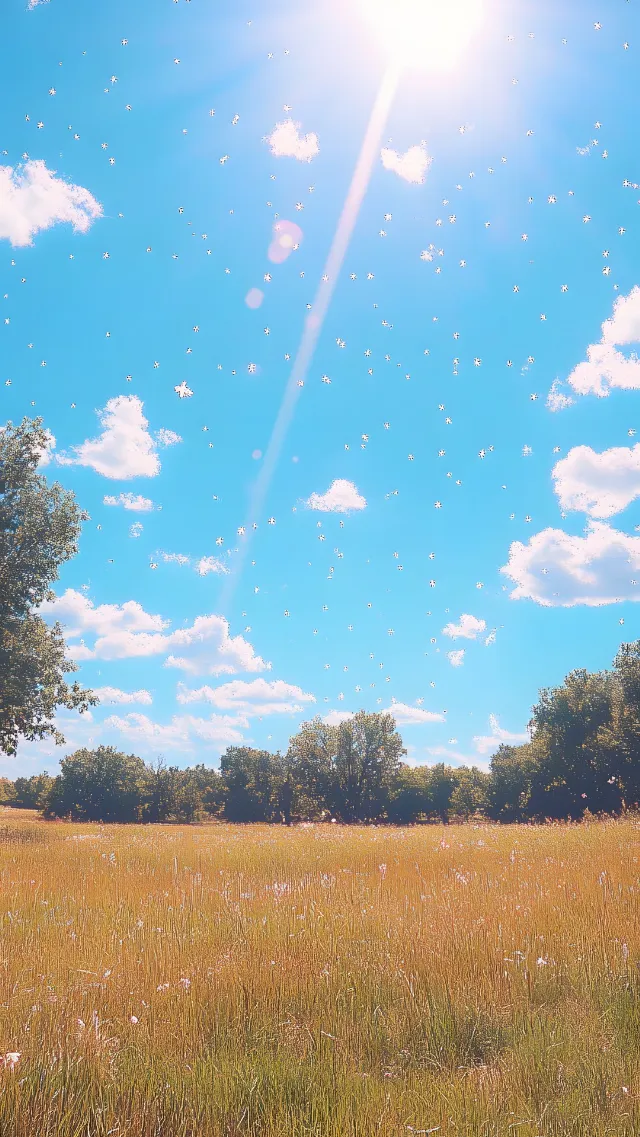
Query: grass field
{"x": 476, "y": 980}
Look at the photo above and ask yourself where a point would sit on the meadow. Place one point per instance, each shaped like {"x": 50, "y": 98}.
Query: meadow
{"x": 319, "y": 980}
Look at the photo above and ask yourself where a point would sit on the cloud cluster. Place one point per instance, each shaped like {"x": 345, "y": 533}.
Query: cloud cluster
{"x": 125, "y": 449}
{"x": 258, "y": 697}
{"x": 125, "y": 631}
{"x": 183, "y": 732}
{"x": 606, "y": 367}
{"x": 341, "y": 497}
{"x": 487, "y": 744}
{"x": 287, "y": 141}
{"x": 557, "y": 570}
{"x": 412, "y": 166}
{"x": 598, "y": 484}
{"x": 32, "y": 198}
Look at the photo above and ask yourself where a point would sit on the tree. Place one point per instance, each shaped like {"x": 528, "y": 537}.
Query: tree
{"x": 470, "y": 794}
{"x": 98, "y": 785}
{"x": 31, "y": 793}
{"x": 39, "y": 529}
{"x": 251, "y": 779}
{"x": 352, "y": 765}
{"x": 509, "y": 789}
{"x": 410, "y": 798}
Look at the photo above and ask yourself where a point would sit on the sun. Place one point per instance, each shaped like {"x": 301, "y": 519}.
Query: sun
{"x": 430, "y": 33}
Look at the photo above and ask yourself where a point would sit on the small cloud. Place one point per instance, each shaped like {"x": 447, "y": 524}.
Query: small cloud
{"x": 115, "y": 695}
{"x": 211, "y": 564}
{"x": 136, "y": 529}
{"x": 556, "y": 400}
{"x": 469, "y": 628}
{"x": 412, "y": 166}
{"x": 341, "y": 497}
{"x": 167, "y": 437}
{"x": 334, "y": 718}
{"x": 183, "y": 732}
{"x": 134, "y": 502}
{"x": 32, "y": 199}
{"x": 175, "y": 558}
{"x": 489, "y": 743}
{"x": 287, "y": 141}
{"x": 125, "y": 449}
{"x": 456, "y": 658}
{"x": 407, "y": 716}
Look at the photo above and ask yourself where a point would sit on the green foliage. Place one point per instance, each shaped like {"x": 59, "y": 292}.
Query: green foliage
{"x": 39, "y": 529}
{"x": 98, "y": 785}
{"x": 251, "y": 779}
{"x": 31, "y": 793}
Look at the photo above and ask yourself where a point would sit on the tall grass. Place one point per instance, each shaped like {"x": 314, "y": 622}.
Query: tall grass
{"x": 322, "y": 981}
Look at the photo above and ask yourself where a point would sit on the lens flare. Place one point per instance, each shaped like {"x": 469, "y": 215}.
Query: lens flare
{"x": 430, "y": 33}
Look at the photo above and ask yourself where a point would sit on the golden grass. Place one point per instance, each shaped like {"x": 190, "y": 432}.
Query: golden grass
{"x": 285, "y": 983}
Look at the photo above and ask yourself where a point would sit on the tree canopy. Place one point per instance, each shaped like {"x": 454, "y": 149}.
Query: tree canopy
{"x": 39, "y": 528}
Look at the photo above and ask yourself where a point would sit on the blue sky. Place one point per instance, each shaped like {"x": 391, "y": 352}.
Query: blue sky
{"x": 470, "y": 408}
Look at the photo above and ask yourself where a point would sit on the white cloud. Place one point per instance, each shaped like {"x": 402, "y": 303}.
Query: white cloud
{"x": 127, "y": 631}
{"x": 341, "y": 497}
{"x": 407, "y": 716}
{"x": 166, "y": 437}
{"x": 605, "y": 367}
{"x": 489, "y": 743}
{"x": 134, "y": 502}
{"x": 36, "y": 3}
{"x": 557, "y": 570}
{"x": 125, "y": 449}
{"x": 211, "y": 564}
{"x": 598, "y": 484}
{"x": 556, "y": 399}
{"x": 32, "y": 199}
{"x": 115, "y": 695}
{"x": 136, "y": 529}
{"x": 456, "y": 658}
{"x": 287, "y": 141}
{"x": 469, "y": 628}
{"x": 258, "y": 697}
{"x": 412, "y": 165}
{"x": 182, "y": 732}
{"x": 175, "y": 558}
{"x": 334, "y": 718}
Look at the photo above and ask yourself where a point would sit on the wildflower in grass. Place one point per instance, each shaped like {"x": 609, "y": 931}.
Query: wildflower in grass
{"x": 10, "y": 1060}
{"x": 186, "y": 983}
{"x": 133, "y": 1020}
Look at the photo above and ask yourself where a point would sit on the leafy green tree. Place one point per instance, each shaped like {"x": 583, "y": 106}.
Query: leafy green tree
{"x": 39, "y": 529}
{"x": 509, "y": 789}
{"x": 7, "y": 791}
{"x": 31, "y": 793}
{"x": 470, "y": 794}
{"x": 410, "y": 796}
{"x": 99, "y": 785}
{"x": 251, "y": 779}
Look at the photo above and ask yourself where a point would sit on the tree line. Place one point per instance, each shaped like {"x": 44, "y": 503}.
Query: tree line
{"x": 583, "y": 756}
{"x": 583, "y": 753}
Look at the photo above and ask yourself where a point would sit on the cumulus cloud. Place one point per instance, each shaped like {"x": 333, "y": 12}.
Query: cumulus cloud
{"x": 606, "y": 367}
{"x": 114, "y": 695}
{"x": 32, "y": 198}
{"x": 407, "y": 716}
{"x": 287, "y": 141}
{"x": 126, "y": 631}
{"x": 134, "y": 502}
{"x": 557, "y": 570}
{"x": 258, "y": 697}
{"x": 125, "y": 449}
{"x": 341, "y": 497}
{"x": 412, "y": 166}
{"x": 469, "y": 628}
{"x": 598, "y": 484}
{"x": 456, "y": 658}
{"x": 334, "y": 718}
{"x": 488, "y": 743}
{"x": 182, "y": 732}
{"x": 36, "y": 3}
